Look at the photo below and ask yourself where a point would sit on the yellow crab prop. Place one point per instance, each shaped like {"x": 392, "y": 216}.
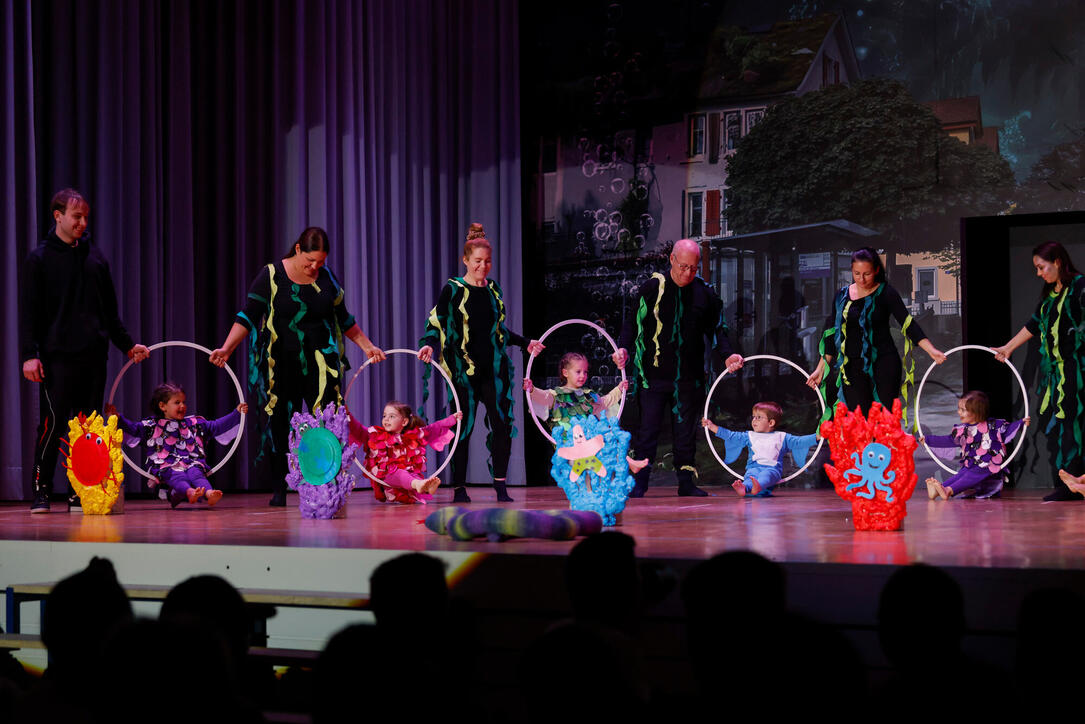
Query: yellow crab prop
{"x": 94, "y": 463}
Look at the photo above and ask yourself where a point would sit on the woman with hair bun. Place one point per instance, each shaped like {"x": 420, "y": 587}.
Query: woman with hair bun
{"x": 1057, "y": 322}
{"x": 467, "y": 328}
{"x": 856, "y": 346}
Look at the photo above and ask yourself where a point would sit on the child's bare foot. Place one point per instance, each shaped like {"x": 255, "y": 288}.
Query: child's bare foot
{"x": 194, "y": 494}
{"x": 429, "y": 487}
{"x": 932, "y": 488}
{"x": 213, "y": 496}
{"x": 943, "y": 491}
{"x": 1077, "y": 485}
{"x": 755, "y": 487}
{"x": 635, "y": 466}
{"x": 740, "y": 488}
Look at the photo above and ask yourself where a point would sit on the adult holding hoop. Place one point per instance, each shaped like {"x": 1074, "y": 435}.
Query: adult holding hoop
{"x": 467, "y": 327}
{"x": 297, "y": 311}
{"x": 675, "y": 314}
{"x": 857, "y": 349}
{"x": 1056, "y": 322}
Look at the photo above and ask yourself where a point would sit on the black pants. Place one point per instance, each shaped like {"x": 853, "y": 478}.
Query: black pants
{"x": 485, "y": 392}
{"x": 655, "y": 402}
{"x": 1072, "y": 463}
{"x": 886, "y": 380}
{"x": 295, "y": 390}
{"x": 72, "y": 384}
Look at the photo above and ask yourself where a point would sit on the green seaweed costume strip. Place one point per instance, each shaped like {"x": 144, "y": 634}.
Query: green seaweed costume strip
{"x": 299, "y": 327}
{"x": 1058, "y": 322}
{"x": 448, "y": 333}
{"x": 857, "y": 334}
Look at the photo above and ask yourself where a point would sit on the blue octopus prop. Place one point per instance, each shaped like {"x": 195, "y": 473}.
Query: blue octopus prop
{"x": 603, "y": 487}
{"x": 871, "y": 471}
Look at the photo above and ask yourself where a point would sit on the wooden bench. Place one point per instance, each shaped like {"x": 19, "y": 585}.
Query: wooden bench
{"x": 262, "y": 602}
{"x": 273, "y": 656}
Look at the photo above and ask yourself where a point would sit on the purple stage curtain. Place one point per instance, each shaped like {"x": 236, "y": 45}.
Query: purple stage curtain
{"x": 207, "y": 135}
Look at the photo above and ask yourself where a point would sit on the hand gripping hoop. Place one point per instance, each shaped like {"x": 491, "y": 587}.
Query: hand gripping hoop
{"x": 1024, "y": 398}
{"x": 237, "y": 385}
{"x": 455, "y": 398}
{"x": 708, "y": 401}
{"x": 531, "y": 360}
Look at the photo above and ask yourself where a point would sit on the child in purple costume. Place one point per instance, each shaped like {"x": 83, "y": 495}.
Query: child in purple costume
{"x": 175, "y": 441}
{"x": 982, "y": 443}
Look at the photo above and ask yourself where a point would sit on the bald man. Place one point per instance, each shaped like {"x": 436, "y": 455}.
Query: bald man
{"x": 676, "y": 314}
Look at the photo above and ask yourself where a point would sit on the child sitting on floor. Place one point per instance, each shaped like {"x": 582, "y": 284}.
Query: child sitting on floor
{"x": 175, "y": 439}
{"x": 982, "y": 443}
{"x": 573, "y": 399}
{"x": 767, "y": 446}
{"x": 395, "y": 452}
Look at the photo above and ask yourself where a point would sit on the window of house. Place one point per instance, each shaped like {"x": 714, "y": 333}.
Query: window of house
{"x": 694, "y": 214}
{"x": 696, "y": 134}
{"x": 753, "y": 117}
{"x": 928, "y": 290}
{"x": 732, "y": 129}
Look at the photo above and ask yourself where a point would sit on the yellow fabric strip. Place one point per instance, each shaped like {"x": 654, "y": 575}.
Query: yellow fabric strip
{"x": 655, "y": 312}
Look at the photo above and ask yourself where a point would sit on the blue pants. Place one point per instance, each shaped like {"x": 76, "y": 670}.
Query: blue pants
{"x": 767, "y": 477}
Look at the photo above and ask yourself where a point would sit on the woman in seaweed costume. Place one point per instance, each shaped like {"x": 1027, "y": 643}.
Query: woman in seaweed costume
{"x": 296, "y": 356}
{"x": 1057, "y": 321}
{"x": 468, "y": 327}
{"x": 857, "y": 345}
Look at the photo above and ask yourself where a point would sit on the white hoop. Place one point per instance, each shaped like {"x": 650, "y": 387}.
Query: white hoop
{"x": 919, "y": 392}
{"x": 708, "y": 402}
{"x": 531, "y": 359}
{"x": 455, "y": 398}
{"x": 237, "y": 385}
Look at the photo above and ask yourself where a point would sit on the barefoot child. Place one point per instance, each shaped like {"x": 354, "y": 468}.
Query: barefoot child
{"x": 395, "y": 452}
{"x": 176, "y": 442}
{"x": 765, "y": 464}
{"x": 561, "y": 404}
{"x": 982, "y": 443}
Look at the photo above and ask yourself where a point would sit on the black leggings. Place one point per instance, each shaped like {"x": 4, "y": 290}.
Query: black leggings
{"x": 485, "y": 392}
{"x": 72, "y": 384}
{"x": 886, "y": 380}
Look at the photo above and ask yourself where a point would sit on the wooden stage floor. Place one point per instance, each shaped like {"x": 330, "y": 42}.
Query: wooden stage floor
{"x": 1018, "y": 531}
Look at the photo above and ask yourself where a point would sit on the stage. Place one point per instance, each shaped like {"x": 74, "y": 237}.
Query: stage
{"x": 1018, "y": 531}
{"x": 997, "y": 549}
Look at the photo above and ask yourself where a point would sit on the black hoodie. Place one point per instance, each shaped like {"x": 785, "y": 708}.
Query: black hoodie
{"x": 69, "y": 304}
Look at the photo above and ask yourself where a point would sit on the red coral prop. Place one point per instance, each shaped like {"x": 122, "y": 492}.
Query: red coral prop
{"x": 849, "y": 432}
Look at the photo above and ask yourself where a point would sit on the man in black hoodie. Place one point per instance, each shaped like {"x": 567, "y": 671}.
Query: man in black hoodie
{"x": 69, "y": 316}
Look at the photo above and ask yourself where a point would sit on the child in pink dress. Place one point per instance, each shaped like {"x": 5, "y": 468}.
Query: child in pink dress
{"x": 395, "y": 452}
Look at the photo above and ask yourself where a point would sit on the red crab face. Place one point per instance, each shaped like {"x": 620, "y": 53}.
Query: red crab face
{"x": 90, "y": 459}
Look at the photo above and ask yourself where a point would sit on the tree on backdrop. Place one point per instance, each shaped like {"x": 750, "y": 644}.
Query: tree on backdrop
{"x": 868, "y": 153}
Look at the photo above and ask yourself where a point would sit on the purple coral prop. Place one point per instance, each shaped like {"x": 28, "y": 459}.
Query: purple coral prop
{"x": 327, "y": 500}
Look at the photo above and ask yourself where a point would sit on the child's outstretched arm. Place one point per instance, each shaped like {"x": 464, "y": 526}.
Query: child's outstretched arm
{"x": 357, "y": 432}
{"x": 705, "y": 422}
{"x": 129, "y": 427}
{"x": 222, "y": 428}
{"x": 542, "y": 401}
{"x": 438, "y": 434}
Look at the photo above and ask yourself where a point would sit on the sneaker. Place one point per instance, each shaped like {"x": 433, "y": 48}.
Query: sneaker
{"x": 41, "y": 502}
{"x": 278, "y": 499}
{"x": 75, "y": 505}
